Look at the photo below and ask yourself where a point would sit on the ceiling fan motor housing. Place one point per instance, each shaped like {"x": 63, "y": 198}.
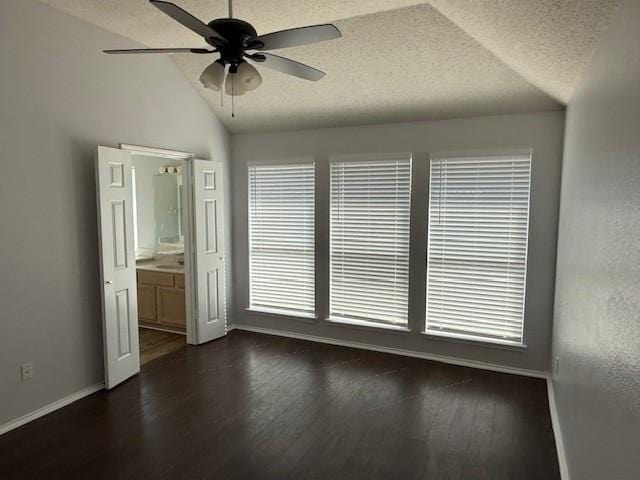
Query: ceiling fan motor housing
{"x": 238, "y": 33}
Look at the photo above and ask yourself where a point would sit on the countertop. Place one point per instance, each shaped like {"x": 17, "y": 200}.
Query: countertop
{"x": 168, "y": 265}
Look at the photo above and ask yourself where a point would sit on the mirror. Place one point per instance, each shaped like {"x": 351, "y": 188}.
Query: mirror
{"x": 167, "y": 206}
{"x": 158, "y": 212}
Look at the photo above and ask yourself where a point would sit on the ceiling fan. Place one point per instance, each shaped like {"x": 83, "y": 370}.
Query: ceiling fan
{"x": 236, "y": 40}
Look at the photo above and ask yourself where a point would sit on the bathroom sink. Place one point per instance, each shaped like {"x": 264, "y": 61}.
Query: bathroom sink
{"x": 170, "y": 267}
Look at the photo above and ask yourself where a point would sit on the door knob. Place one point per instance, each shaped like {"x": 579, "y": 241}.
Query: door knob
{"x": 109, "y": 282}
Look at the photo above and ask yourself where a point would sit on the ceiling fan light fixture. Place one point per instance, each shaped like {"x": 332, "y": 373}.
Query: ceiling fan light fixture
{"x": 213, "y": 76}
{"x": 232, "y": 86}
{"x": 248, "y": 77}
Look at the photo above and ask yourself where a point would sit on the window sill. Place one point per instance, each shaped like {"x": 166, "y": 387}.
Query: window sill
{"x": 361, "y": 324}
{"x": 477, "y": 341}
{"x": 286, "y": 314}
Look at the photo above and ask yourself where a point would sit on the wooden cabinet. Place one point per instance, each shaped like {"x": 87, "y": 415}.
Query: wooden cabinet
{"x": 150, "y": 277}
{"x": 161, "y": 300}
{"x": 146, "y": 303}
{"x": 171, "y": 309}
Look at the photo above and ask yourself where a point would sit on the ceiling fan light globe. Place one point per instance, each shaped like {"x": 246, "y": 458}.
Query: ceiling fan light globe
{"x": 233, "y": 87}
{"x": 248, "y": 77}
{"x": 213, "y": 76}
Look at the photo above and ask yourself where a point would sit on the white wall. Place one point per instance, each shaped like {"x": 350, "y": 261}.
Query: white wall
{"x": 597, "y": 305}
{"x": 59, "y": 98}
{"x": 543, "y": 132}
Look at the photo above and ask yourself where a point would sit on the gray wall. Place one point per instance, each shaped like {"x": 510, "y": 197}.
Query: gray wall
{"x": 597, "y": 305}
{"x": 543, "y": 132}
{"x": 59, "y": 98}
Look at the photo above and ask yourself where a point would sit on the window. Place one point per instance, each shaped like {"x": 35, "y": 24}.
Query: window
{"x": 477, "y": 253}
{"x": 370, "y": 202}
{"x": 281, "y": 238}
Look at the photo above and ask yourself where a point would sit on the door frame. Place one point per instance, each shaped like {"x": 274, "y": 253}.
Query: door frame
{"x": 187, "y": 207}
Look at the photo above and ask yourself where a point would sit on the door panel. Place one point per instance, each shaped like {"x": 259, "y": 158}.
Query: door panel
{"x": 123, "y": 320}
{"x": 210, "y": 227}
{"x": 213, "y": 306}
{"x": 119, "y": 232}
{"x": 209, "y": 265}
{"x": 117, "y": 265}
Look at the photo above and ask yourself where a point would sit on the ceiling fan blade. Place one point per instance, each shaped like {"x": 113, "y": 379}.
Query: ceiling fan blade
{"x": 159, "y": 50}
{"x": 188, "y": 20}
{"x": 288, "y": 66}
{"x": 296, "y": 36}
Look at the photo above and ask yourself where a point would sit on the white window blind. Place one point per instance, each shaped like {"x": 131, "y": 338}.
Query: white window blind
{"x": 370, "y": 203}
{"x": 477, "y": 253}
{"x": 281, "y": 238}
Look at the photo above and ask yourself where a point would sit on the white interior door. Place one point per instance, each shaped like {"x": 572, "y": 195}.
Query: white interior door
{"x": 117, "y": 265}
{"x": 209, "y": 268}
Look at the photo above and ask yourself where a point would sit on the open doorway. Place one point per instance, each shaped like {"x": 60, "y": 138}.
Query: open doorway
{"x": 158, "y": 217}
{"x": 168, "y": 278}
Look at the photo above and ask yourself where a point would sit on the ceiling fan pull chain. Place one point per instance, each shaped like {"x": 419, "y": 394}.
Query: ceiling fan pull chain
{"x": 233, "y": 115}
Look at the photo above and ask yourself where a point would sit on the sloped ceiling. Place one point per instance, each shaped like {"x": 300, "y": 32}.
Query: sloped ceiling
{"x": 398, "y": 60}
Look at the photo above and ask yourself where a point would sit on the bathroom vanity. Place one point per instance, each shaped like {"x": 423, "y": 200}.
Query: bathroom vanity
{"x": 161, "y": 298}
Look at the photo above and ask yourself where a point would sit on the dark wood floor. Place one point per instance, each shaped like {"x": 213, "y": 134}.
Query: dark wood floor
{"x": 253, "y": 406}
{"x": 154, "y": 344}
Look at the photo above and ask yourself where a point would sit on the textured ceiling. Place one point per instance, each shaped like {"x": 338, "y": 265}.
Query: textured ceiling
{"x": 398, "y": 60}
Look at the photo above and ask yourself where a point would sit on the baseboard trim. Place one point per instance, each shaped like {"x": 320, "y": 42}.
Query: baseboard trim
{"x": 557, "y": 431}
{"x": 40, "y": 412}
{"x": 396, "y": 351}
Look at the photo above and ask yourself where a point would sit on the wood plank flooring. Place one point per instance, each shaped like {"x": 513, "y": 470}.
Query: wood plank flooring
{"x": 252, "y": 406}
{"x": 154, "y": 344}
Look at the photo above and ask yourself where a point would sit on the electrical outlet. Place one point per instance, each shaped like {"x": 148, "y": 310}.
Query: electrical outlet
{"x": 557, "y": 366}
{"x": 27, "y": 371}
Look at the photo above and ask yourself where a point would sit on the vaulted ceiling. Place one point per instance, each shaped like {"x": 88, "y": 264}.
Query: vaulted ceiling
{"x": 398, "y": 60}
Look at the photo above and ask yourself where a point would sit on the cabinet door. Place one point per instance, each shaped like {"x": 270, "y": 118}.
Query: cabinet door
{"x": 171, "y": 308}
{"x": 147, "y": 303}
